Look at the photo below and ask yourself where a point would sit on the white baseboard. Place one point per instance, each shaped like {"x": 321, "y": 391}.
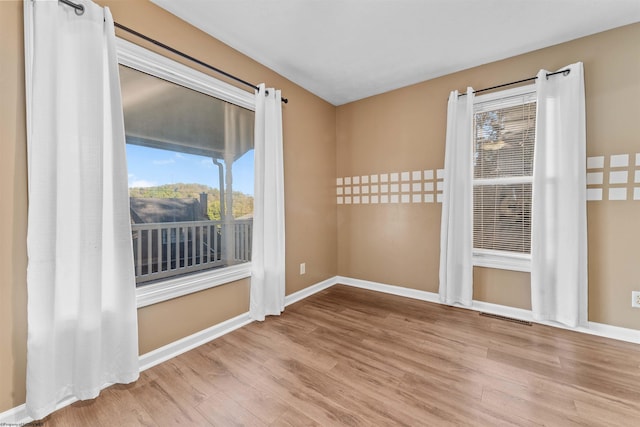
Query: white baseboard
{"x": 389, "y": 289}
{"x": 15, "y": 416}
{"x": 594, "y": 328}
{"x": 308, "y": 291}
{"x": 190, "y": 342}
{"x": 18, "y": 415}
{"x": 615, "y": 332}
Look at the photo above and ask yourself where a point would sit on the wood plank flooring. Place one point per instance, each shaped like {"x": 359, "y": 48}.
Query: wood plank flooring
{"x": 348, "y": 356}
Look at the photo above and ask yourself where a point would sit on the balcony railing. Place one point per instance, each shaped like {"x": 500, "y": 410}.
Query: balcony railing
{"x": 163, "y": 250}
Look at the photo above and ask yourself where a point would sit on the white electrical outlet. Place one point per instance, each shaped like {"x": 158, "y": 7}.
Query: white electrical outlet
{"x": 635, "y": 299}
{"x": 303, "y": 268}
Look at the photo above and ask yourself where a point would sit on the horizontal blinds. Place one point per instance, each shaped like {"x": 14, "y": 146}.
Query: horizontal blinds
{"x": 502, "y": 217}
{"x": 504, "y": 139}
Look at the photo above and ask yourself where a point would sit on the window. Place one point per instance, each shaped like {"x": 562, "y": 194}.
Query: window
{"x": 503, "y": 146}
{"x": 190, "y": 163}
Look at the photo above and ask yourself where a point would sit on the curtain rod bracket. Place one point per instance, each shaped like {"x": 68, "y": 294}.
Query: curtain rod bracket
{"x": 563, "y": 72}
{"x": 78, "y": 8}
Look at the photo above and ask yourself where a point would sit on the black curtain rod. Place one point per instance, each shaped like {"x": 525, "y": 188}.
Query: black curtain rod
{"x": 563, "y": 72}
{"x": 80, "y": 10}
{"x": 78, "y": 7}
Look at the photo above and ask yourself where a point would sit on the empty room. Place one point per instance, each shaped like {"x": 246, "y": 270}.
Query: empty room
{"x": 339, "y": 212}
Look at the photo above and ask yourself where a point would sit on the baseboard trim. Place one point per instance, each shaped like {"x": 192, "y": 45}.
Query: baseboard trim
{"x": 594, "y": 328}
{"x": 308, "y": 291}
{"x": 389, "y": 289}
{"x": 18, "y": 415}
{"x": 15, "y": 416}
{"x": 192, "y": 341}
{"x": 615, "y": 332}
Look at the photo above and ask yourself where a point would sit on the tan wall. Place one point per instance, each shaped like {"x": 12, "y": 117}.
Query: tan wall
{"x": 166, "y": 322}
{"x": 309, "y": 139}
{"x": 13, "y": 208}
{"x": 404, "y": 130}
{"x": 399, "y": 131}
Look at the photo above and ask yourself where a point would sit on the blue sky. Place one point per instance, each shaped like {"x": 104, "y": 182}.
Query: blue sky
{"x": 149, "y": 167}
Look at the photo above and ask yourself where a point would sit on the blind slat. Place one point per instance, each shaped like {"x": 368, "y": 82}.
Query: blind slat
{"x": 504, "y": 140}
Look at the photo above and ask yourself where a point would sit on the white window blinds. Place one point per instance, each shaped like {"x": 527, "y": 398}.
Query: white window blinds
{"x": 503, "y": 145}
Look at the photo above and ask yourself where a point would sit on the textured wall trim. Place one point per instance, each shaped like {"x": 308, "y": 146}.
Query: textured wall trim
{"x": 611, "y": 177}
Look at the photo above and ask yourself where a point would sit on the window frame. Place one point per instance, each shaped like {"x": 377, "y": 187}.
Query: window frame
{"x": 503, "y": 260}
{"x": 146, "y": 61}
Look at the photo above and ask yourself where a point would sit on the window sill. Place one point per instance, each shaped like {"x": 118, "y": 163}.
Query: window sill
{"x": 502, "y": 261}
{"x": 180, "y": 286}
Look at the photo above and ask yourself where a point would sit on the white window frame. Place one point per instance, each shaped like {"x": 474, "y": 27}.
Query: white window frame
{"x": 503, "y": 260}
{"x": 146, "y": 61}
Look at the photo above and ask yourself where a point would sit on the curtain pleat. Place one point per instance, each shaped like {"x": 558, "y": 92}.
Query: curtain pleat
{"x": 559, "y": 218}
{"x": 268, "y": 248}
{"x": 82, "y": 319}
{"x": 456, "y": 245}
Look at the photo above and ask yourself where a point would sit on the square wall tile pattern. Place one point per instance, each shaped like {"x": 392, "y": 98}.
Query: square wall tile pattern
{"x": 405, "y": 187}
{"x": 613, "y": 178}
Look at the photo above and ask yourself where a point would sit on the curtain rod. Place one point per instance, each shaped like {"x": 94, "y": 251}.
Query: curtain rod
{"x": 79, "y": 9}
{"x": 563, "y": 72}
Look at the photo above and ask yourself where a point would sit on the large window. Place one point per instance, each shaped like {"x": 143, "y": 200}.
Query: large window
{"x": 190, "y": 163}
{"x": 503, "y": 147}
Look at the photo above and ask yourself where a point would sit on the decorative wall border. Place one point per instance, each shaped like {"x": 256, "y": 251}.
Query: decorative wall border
{"x": 419, "y": 186}
{"x": 622, "y": 178}
{"x": 615, "y": 180}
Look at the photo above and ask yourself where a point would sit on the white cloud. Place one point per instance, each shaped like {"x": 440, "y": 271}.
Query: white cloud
{"x": 141, "y": 183}
{"x": 163, "y": 162}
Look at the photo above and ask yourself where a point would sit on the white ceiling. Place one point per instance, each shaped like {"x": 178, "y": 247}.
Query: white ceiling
{"x": 345, "y": 50}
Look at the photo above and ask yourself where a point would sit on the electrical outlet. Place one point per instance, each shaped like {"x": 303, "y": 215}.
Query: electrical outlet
{"x": 303, "y": 268}
{"x": 635, "y": 299}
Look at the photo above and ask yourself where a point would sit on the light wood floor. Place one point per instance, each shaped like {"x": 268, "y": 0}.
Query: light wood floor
{"x": 347, "y": 356}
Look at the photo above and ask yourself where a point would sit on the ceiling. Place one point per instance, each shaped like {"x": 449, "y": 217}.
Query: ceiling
{"x": 163, "y": 115}
{"x": 345, "y": 50}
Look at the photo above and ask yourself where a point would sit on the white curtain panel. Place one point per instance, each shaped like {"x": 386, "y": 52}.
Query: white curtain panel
{"x": 456, "y": 245}
{"x": 268, "y": 250}
{"x": 559, "y": 218}
{"x": 82, "y": 323}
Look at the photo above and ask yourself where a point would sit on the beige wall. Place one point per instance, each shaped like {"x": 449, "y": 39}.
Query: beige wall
{"x": 404, "y": 130}
{"x": 309, "y": 139}
{"x": 399, "y": 131}
{"x": 13, "y": 208}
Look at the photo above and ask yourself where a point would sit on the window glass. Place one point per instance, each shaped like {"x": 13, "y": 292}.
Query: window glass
{"x": 503, "y": 146}
{"x": 190, "y": 164}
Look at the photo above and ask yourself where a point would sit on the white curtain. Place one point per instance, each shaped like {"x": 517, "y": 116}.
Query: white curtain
{"x": 456, "y": 245}
{"x": 82, "y": 323}
{"x": 268, "y": 251}
{"x": 559, "y": 219}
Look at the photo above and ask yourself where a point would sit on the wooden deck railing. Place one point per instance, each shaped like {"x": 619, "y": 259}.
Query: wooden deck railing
{"x": 163, "y": 250}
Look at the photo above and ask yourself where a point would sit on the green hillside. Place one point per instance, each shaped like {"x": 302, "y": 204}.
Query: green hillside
{"x": 242, "y": 203}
